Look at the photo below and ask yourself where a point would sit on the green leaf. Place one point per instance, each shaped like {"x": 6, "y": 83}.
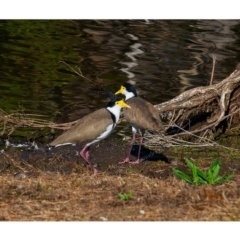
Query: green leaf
{"x": 189, "y": 163}
{"x": 215, "y": 163}
{"x": 223, "y": 179}
{"x": 202, "y": 175}
{"x": 215, "y": 171}
{"x": 195, "y": 171}
{"x": 182, "y": 175}
{"x": 209, "y": 176}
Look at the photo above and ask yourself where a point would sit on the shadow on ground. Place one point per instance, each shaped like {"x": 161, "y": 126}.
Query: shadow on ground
{"x": 105, "y": 156}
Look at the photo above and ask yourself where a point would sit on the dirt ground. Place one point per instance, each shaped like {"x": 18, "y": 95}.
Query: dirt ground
{"x": 55, "y": 185}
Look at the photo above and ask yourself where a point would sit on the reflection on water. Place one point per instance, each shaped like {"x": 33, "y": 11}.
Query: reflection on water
{"x": 162, "y": 58}
{"x": 135, "y": 50}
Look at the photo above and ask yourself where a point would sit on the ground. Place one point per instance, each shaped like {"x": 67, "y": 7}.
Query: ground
{"x": 55, "y": 185}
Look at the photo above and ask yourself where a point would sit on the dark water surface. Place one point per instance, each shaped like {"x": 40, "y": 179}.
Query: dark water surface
{"x": 162, "y": 58}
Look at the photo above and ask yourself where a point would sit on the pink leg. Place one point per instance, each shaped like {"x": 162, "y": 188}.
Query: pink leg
{"x": 85, "y": 155}
{"x": 139, "y": 151}
{"x": 127, "y": 159}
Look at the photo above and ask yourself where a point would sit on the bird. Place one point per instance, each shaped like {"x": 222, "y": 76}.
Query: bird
{"x": 92, "y": 128}
{"x": 142, "y": 116}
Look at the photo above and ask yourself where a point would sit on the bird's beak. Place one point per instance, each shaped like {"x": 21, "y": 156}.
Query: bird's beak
{"x": 123, "y": 104}
{"x": 119, "y": 91}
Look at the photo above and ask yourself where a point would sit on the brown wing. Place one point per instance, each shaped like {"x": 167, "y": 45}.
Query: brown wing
{"x": 87, "y": 128}
{"x": 142, "y": 114}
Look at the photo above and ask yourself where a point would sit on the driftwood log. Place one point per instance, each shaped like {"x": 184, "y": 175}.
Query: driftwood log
{"x": 198, "y": 114}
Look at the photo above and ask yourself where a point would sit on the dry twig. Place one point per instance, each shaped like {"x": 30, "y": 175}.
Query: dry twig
{"x": 15, "y": 120}
{"x": 78, "y": 72}
{"x": 213, "y": 69}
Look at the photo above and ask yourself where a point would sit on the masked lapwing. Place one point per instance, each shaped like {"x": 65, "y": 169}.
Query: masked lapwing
{"x": 92, "y": 128}
{"x": 142, "y": 116}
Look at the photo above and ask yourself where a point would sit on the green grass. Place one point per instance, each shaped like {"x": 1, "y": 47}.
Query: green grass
{"x": 198, "y": 177}
{"x": 125, "y": 196}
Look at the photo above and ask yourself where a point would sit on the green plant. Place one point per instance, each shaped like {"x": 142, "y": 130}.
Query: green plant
{"x": 125, "y": 196}
{"x": 199, "y": 177}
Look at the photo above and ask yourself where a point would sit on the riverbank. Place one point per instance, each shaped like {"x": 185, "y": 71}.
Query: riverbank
{"x": 54, "y": 184}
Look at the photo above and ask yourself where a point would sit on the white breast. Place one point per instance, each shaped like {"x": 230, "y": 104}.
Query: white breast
{"x": 109, "y": 129}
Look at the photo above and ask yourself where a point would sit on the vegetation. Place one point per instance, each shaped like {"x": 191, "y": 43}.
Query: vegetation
{"x": 199, "y": 177}
{"x": 125, "y": 196}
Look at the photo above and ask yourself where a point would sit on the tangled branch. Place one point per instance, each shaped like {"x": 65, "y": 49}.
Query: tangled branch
{"x": 196, "y": 114}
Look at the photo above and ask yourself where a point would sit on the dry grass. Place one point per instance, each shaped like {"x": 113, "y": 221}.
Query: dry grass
{"x": 18, "y": 119}
{"x": 74, "y": 197}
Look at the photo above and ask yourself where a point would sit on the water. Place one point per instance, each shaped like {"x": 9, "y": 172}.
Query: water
{"x": 162, "y": 58}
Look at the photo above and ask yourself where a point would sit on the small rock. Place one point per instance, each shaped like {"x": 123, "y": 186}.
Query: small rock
{"x": 20, "y": 186}
{"x": 20, "y": 175}
{"x": 142, "y": 212}
{"x": 103, "y": 219}
{"x": 174, "y": 163}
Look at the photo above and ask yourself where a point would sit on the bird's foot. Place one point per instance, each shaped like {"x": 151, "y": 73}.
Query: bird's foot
{"x": 135, "y": 162}
{"x": 95, "y": 172}
{"x": 127, "y": 160}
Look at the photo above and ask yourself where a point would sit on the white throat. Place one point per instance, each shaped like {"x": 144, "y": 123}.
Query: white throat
{"x": 128, "y": 95}
{"x": 116, "y": 111}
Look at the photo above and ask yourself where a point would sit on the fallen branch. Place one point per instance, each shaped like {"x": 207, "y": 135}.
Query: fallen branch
{"x": 199, "y": 109}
